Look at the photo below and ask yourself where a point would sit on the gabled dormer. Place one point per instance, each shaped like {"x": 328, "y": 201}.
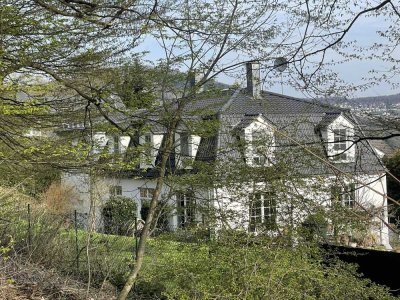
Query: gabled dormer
{"x": 337, "y": 132}
{"x": 187, "y": 145}
{"x": 258, "y": 139}
{"x": 150, "y": 143}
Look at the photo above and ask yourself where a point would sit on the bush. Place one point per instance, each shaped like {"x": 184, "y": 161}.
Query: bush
{"x": 119, "y": 215}
{"x": 59, "y": 199}
{"x": 251, "y": 271}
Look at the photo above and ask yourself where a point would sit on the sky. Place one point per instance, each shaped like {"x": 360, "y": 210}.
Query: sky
{"x": 363, "y": 32}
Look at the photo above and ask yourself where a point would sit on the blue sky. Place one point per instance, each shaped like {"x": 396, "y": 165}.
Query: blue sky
{"x": 363, "y": 32}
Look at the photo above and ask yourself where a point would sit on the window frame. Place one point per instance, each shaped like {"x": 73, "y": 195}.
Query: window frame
{"x": 340, "y": 144}
{"x": 146, "y": 193}
{"x": 345, "y": 194}
{"x": 148, "y": 141}
{"x": 186, "y": 208}
{"x": 115, "y": 190}
{"x": 262, "y": 211}
{"x": 116, "y": 145}
{"x": 260, "y": 149}
{"x": 184, "y": 137}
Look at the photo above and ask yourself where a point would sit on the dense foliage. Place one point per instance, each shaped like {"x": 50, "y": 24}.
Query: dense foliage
{"x": 119, "y": 215}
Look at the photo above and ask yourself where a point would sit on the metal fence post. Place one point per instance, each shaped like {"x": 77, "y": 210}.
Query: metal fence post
{"x": 29, "y": 228}
{"x": 136, "y": 238}
{"x": 76, "y": 240}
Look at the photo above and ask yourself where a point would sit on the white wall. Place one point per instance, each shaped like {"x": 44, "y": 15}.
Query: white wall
{"x": 232, "y": 204}
{"x": 101, "y": 191}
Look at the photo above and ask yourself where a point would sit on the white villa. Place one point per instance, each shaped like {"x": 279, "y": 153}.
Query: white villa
{"x": 260, "y": 130}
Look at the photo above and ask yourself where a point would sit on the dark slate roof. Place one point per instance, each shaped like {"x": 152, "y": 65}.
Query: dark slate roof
{"x": 300, "y": 120}
{"x": 209, "y": 105}
{"x": 272, "y": 103}
{"x": 207, "y": 150}
{"x": 246, "y": 121}
{"x": 328, "y": 119}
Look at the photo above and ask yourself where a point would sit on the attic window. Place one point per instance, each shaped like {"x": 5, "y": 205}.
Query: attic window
{"x": 147, "y": 140}
{"x": 184, "y": 137}
{"x": 340, "y": 138}
{"x": 260, "y": 147}
{"x": 117, "y": 148}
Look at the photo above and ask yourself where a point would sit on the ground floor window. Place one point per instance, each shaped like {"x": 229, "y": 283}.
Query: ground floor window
{"x": 146, "y": 194}
{"x": 115, "y": 190}
{"x": 186, "y": 208}
{"x": 345, "y": 194}
{"x": 262, "y": 211}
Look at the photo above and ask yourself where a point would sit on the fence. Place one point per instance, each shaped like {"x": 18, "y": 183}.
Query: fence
{"x": 62, "y": 241}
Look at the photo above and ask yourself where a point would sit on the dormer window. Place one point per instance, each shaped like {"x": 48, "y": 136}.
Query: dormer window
{"x": 259, "y": 148}
{"x": 149, "y": 150}
{"x": 259, "y": 141}
{"x": 184, "y": 143}
{"x": 116, "y": 144}
{"x": 337, "y": 132}
{"x": 340, "y": 143}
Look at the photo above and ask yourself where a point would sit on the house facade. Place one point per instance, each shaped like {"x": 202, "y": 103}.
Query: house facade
{"x": 291, "y": 158}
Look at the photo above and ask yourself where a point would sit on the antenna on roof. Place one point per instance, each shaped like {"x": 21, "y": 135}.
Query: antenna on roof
{"x": 280, "y": 65}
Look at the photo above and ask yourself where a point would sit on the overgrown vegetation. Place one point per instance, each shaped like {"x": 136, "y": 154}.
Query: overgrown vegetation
{"x": 119, "y": 215}
{"x": 230, "y": 265}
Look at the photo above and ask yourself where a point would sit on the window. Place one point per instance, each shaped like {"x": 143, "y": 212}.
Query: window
{"x": 186, "y": 208}
{"x": 149, "y": 147}
{"x": 184, "y": 143}
{"x": 115, "y": 190}
{"x": 116, "y": 144}
{"x": 345, "y": 194}
{"x": 340, "y": 144}
{"x": 146, "y": 193}
{"x": 262, "y": 211}
{"x": 260, "y": 148}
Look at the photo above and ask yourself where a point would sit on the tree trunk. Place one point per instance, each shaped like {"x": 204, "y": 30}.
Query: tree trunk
{"x": 153, "y": 204}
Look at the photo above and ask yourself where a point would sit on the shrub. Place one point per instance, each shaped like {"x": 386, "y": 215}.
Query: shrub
{"x": 119, "y": 215}
{"x": 59, "y": 199}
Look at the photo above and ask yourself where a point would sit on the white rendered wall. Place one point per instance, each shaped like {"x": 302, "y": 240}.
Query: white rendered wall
{"x": 232, "y": 205}
{"x": 101, "y": 193}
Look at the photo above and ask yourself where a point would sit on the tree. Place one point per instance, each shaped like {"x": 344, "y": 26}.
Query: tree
{"x": 215, "y": 37}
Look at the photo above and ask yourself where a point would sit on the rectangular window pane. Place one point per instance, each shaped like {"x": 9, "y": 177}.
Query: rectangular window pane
{"x": 186, "y": 208}
{"x": 184, "y": 142}
{"x": 147, "y": 140}
{"x": 143, "y": 192}
{"x": 116, "y": 144}
{"x": 345, "y": 194}
{"x": 116, "y": 190}
{"x": 270, "y": 210}
{"x": 340, "y": 139}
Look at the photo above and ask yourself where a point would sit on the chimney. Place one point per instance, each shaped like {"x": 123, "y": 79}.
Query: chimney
{"x": 253, "y": 78}
{"x": 194, "y": 78}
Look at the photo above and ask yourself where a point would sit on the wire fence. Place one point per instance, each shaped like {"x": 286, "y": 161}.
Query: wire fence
{"x": 63, "y": 241}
